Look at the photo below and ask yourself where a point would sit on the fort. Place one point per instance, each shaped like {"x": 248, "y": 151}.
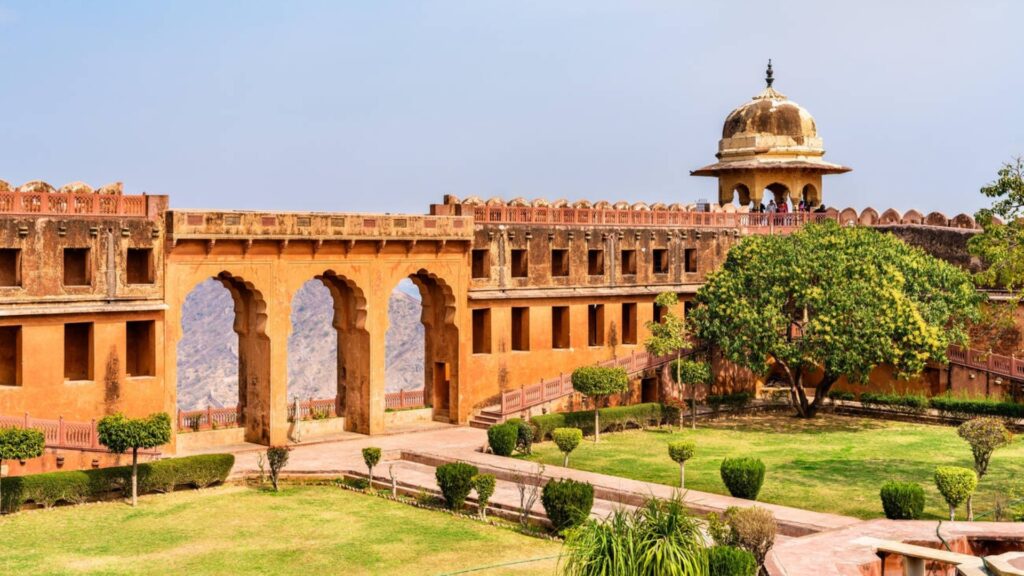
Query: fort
{"x": 515, "y": 293}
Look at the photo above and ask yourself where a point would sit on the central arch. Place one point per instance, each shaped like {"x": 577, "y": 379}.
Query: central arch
{"x": 440, "y": 343}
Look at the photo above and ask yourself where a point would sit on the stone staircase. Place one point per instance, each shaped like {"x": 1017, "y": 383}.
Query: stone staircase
{"x": 487, "y": 417}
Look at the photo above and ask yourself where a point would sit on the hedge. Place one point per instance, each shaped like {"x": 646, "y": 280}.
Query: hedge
{"x": 455, "y": 480}
{"x": 567, "y": 503}
{"x": 841, "y": 395}
{"x": 730, "y": 561}
{"x": 743, "y": 476}
{"x": 612, "y": 418}
{"x": 913, "y": 403}
{"x": 736, "y": 401}
{"x": 502, "y": 438}
{"x": 78, "y": 486}
{"x": 902, "y": 500}
{"x": 947, "y": 405}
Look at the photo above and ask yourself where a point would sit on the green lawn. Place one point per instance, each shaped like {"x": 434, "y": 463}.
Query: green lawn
{"x": 830, "y": 464}
{"x": 235, "y": 530}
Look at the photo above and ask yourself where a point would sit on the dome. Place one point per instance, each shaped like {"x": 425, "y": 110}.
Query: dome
{"x": 771, "y": 113}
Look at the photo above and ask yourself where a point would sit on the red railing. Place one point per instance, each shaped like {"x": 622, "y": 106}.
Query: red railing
{"x": 405, "y": 399}
{"x": 70, "y": 204}
{"x": 209, "y": 419}
{"x": 994, "y": 363}
{"x": 315, "y": 409}
{"x": 611, "y": 217}
{"x": 61, "y": 433}
{"x": 513, "y": 401}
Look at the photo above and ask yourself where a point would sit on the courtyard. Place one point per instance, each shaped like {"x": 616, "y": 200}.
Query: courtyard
{"x": 235, "y": 530}
{"x": 833, "y": 464}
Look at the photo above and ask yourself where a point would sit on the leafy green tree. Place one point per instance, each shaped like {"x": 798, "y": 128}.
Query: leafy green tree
{"x": 567, "y": 439}
{"x": 669, "y": 337}
{"x": 371, "y": 456}
{"x": 690, "y": 373}
{"x": 985, "y": 435}
{"x": 956, "y": 484}
{"x": 20, "y": 444}
{"x": 1000, "y": 245}
{"x": 681, "y": 451}
{"x": 120, "y": 434}
{"x": 833, "y": 301}
{"x": 599, "y": 382}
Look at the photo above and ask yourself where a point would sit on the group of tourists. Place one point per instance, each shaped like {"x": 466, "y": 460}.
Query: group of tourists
{"x": 783, "y": 207}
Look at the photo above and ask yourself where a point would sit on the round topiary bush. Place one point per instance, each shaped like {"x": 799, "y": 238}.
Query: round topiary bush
{"x": 743, "y": 476}
{"x": 730, "y": 561}
{"x": 567, "y": 502}
{"x": 902, "y": 500}
{"x": 567, "y": 439}
{"x": 680, "y": 451}
{"x": 956, "y": 484}
{"x": 502, "y": 438}
{"x": 455, "y": 481}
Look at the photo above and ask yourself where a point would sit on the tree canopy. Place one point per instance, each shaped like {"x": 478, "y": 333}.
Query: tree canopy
{"x": 835, "y": 301}
{"x": 599, "y": 382}
{"x": 1001, "y": 243}
{"x": 121, "y": 434}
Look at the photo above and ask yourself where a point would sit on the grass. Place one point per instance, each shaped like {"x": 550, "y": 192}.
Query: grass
{"x": 829, "y": 464}
{"x": 236, "y": 530}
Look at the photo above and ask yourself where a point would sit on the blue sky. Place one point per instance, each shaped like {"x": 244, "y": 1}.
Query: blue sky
{"x": 386, "y": 106}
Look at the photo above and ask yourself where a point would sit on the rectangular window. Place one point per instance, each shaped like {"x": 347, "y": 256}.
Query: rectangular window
{"x": 140, "y": 348}
{"x": 595, "y": 262}
{"x": 660, "y": 256}
{"x": 10, "y": 267}
{"x": 520, "y": 328}
{"x": 10, "y": 356}
{"x": 659, "y": 313}
{"x": 559, "y": 326}
{"x": 140, "y": 265}
{"x": 595, "y": 325}
{"x": 77, "y": 271}
{"x": 482, "y": 331}
{"x": 629, "y": 323}
{"x": 481, "y": 264}
{"x": 559, "y": 262}
{"x": 78, "y": 351}
{"x": 629, "y": 262}
{"x": 690, "y": 259}
{"x": 520, "y": 263}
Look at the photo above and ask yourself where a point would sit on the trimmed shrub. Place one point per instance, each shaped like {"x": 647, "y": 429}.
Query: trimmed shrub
{"x": 902, "y": 500}
{"x": 277, "y": 459}
{"x": 502, "y": 438}
{"x": 956, "y": 484}
{"x": 611, "y": 418}
{"x": 567, "y": 439}
{"x": 743, "y": 476}
{"x": 78, "y": 486}
{"x": 909, "y": 403}
{"x": 736, "y": 401}
{"x": 752, "y": 529}
{"x": 730, "y": 561}
{"x": 841, "y": 395}
{"x": 483, "y": 485}
{"x": 567, "y": 503}
{"x": 680, "y": 451}
{"x": 371, "y": 456}
{"x": 455, "y": 481}
{"x": 959, "y": 407}
{"x": 524, "y": 435}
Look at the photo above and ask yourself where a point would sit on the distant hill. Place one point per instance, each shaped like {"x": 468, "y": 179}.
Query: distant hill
{"x": 208, "y": 351}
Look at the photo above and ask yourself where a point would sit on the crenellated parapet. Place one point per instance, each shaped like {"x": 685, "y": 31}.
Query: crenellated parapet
{"x": 77, "y": 199}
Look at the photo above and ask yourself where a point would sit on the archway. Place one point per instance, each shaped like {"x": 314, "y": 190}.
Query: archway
{"x": 404, "y": 349}
{"x": 313, "y": 383}
{"x": 440, "y": 343}
{"x": 809, "y": 194}
{"x": 740, "y": 195}
{"x": 224, "y": 382}
{"x": 779, "y": 193}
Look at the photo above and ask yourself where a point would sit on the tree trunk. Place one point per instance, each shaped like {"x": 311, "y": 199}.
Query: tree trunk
{"x": 679, "y": 376}
{"x": 952, "y": 513}
{"x": 682, "y": 475}
{"x": 369, "y": 478}
{"x": 135, "y": 476}
{"x": 970, "y": 508}
{"x": 565, "y": 460}
{"x": 820, "y": 393}
{"x": 1, "y": 488}
{"x": 597, "y": 424}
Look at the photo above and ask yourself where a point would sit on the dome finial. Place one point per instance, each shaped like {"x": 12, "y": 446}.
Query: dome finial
{"x": 768, "y": 74}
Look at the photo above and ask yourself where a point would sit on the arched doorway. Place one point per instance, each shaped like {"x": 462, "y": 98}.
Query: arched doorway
{"x": 777, "y": 192}
{"x": 224, "y": 382}
{"x": 313, "y": 382}
{"x": 440, "y": 354}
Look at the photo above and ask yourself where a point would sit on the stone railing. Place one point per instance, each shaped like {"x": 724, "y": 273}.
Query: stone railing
{"x": 80, "y": 205}
{"x": 198, "y": 224}
{"x": 1008, "y": 366}
{"x": 405, "y": 399}
{"x": 61, "y": 433}
{"x": 513, "y": 401}
{"x": 209, "y": 418}
{"x": 612, "y": 217}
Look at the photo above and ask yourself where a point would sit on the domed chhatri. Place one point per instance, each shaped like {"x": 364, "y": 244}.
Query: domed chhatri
{"x": 770, "y": 144}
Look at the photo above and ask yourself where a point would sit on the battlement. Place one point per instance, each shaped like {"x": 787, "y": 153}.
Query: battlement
{"x": 207, "y": 224}
{"x": 77, "y": 199}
